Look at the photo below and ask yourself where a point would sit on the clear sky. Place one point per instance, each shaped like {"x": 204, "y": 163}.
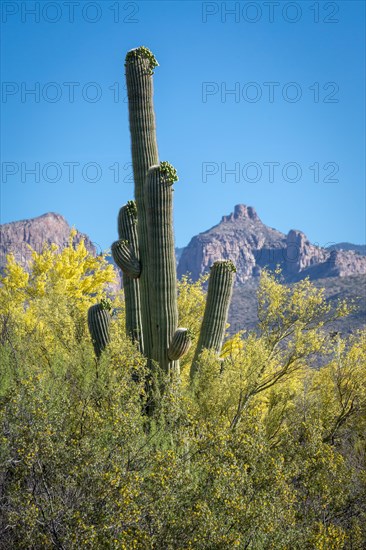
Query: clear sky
{"x": 289, "y": 139}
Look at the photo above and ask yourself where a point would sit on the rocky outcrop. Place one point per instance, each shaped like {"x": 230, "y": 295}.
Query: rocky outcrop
{"x": 243, "y": 238}
{"x": 301, "y": 254}
{"x": 19, "y": 238}
{"x": 240, "y": 237}
{"x": 338, "y": 263}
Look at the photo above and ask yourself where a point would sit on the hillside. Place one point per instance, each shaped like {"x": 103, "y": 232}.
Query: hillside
{"x": 243, "y": 310}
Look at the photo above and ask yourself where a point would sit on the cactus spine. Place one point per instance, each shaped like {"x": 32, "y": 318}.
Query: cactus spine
{"x": 218, "y": 299}
{"x": 99, "y": 319}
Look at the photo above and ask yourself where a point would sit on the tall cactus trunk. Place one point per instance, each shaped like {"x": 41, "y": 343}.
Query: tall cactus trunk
{"x": 220, "y": 287}
{"x": 162, "y": 267}
{"x": 139, "y": 68}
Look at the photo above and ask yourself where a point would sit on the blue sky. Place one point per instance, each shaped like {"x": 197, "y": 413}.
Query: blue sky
{"x": 289, "y": 139}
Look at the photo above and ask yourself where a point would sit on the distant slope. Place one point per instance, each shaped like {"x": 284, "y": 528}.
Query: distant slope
{"x": 243, "y": 310}
{"x": 359, "y": 248}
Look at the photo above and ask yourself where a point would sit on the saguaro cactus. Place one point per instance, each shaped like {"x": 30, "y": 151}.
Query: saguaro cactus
{"x": 125, "y": 253}
{"x": 140, "y": 64}
{"x": 99, "y": 319}
{"x": 218, "y": 299}
{"x": 162, "y": 265}
{"x": 145, "y": 250}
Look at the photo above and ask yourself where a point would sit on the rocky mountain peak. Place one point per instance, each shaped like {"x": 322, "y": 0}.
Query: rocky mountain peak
{"x": 241, "y": 212}
{"x": 51, "y": 216}
{"x": 50, "y": 228}
{"x": 243, "y": 238}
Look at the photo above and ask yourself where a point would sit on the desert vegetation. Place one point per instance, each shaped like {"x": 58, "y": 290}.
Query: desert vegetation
{"x": 258, "y": 450}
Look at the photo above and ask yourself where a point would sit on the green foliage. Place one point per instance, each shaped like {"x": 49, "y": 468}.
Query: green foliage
{"x": 262, "y": 452}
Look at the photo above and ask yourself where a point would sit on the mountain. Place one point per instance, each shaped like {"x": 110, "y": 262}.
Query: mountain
{"x": 18, "y": 237}
{"x": 241, "y": 236}
{"x": 360, "y": 248}
{"x": 178, "y": 254}
{"x": 251, "y": 245}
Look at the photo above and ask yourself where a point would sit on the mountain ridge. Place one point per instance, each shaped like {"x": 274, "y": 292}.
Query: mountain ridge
{"x": 243, "y": 238}
{"x": 19, "y": 237}
{"x": 240, "y": 236}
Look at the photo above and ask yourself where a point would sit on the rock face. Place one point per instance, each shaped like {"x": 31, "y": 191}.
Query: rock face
{"x": 17, "y": 237}
{"x": 240, "y": 237}
{"x": 301, "y": 254}
{"x": 243, "y": 238}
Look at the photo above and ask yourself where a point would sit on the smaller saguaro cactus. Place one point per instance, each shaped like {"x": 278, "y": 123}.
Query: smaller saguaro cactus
{"x": 125, "y": 253}
{"x": 220, "y": 287}
{"x": 99, "y": 319}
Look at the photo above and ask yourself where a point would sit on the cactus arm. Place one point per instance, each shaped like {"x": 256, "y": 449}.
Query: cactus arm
{"x": 162, "y": 267}
{"x": 139, "y": 68}
{"x": 180, "y": 344}
{"x": 125, "y": 258}
{"x": 127, "y": 231}
{"x": 218, "y": 299}
{"x": 99, "y": 319}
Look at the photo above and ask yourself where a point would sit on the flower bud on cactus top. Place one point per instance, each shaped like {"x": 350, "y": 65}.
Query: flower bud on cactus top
{"x": 142, "y": 53}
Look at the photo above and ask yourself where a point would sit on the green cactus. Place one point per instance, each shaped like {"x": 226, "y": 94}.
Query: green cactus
{"x": 162, "y": 264}
{"x": 218, "y": 299}
{"x": 140, "y": 64}
{"x": 125, "y": 253}
{"x": 180, "y": 343}
{"x": 99, "y": 319}
{"x": 126, "y": 259}
{"x": 145, "y": 250}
